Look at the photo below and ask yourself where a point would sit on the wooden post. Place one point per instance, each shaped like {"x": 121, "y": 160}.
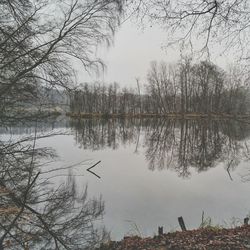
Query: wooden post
{"x": 182, "y": 224}
{"x": 160, "y": 231}
{"x": 246, "y": 221}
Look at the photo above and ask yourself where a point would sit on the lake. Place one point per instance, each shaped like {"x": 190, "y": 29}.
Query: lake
{"x": 152, "y": 170}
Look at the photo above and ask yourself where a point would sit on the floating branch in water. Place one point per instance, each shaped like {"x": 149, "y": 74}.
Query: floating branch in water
{"x": 93, "y": 172}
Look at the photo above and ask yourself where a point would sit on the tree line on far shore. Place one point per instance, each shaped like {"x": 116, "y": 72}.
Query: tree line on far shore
{"x": 185, "y": 87}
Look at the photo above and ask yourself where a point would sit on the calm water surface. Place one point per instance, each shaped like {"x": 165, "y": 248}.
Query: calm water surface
{"x": 153, "y": 171}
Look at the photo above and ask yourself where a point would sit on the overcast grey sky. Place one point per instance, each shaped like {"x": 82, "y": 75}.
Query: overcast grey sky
{"x": 132, "y": 52}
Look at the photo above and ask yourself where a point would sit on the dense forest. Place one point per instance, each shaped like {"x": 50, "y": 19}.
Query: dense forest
{"x": 181, "y": 88}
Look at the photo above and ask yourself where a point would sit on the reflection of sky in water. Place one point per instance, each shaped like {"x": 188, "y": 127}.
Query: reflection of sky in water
{"x": 135, "y": 194}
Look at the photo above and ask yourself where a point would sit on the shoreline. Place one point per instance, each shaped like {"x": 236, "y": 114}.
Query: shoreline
{"x": 148, "y": 115}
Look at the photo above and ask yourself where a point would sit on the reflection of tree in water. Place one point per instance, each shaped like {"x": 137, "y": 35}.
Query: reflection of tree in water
{"x": 173, "y": 144}
{"x": 191, "y": 143}
{"x": 34, "y": 214}
{"x": 200, "y": 144}
{"x": 98, "y": 134}
{"x": 185, "y": 144}
{"x": 45, "y": 124}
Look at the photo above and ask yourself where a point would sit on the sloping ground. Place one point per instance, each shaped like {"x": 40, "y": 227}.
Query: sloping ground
{"x": 208, "y": 238}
